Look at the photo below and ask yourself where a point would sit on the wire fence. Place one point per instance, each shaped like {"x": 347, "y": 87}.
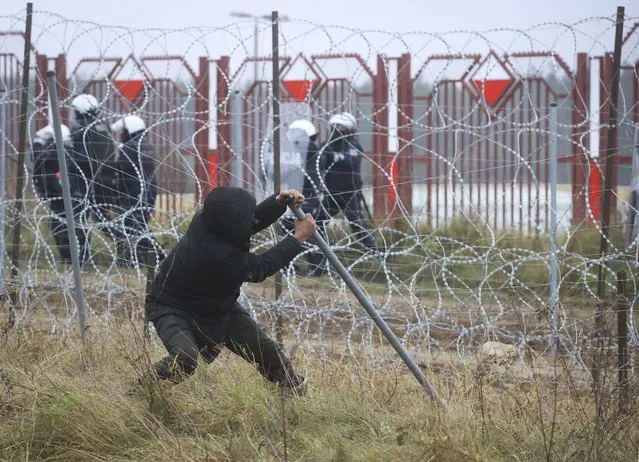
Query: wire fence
{"x": 456, "y": 132}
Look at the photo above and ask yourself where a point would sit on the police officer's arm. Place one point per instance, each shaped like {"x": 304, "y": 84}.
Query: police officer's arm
{"x": 311, "y": 166}
{"x": 326, "y": 158}
{"x": 250, "y": 267}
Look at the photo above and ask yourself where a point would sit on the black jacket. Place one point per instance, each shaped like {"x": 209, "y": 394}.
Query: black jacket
{"x": 341, "y": 163}
{"x": 46, "y": 170}
{"x": 203, "y": 274}
{"x": 312, "y": 182}
{"x": 94, "y": 155}
{"x": 136, "y": 170}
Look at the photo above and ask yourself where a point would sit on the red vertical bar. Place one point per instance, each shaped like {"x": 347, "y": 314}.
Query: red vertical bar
{"x": 256, "y": 133}
{"x": 380, "y": 137}
{"x": 455, "y": 141}
{"x": 428, "y": 105}
{"x": 506, "y": 127}
{"x": 224, "y": 157}
{"x": 199, "y": 156}
{"x": 485, "y": 165}
{"x": 405, "y": 119}
{"x": 202, "y": 134}
{"x": 479, "y": 159}
{"x": 474, "y": 143}
{"x": 462, "y": 146}
{"x": 546, "y": 163}
{"x": 445, "y": 133}
{"x": 605, "y": 104}
{"x": 247, "y": 116}
{"x": 636, "y": 94}
{"x": 537, "y": 153}
{"x": 520, "y": 163}
{"x": 529, "y": 152}
{"x": 436, "y": 151}
{"x": 580, "y": 135}
{"x": 511, "y": 156}
{"x": 600, "y": 179}
{"x": 63, "y": 84}
{"x": 604, "y": 117}
{"x": 42, "y": 65}
{"x": 493, "y": 170}
{"x": 263, "y": 121}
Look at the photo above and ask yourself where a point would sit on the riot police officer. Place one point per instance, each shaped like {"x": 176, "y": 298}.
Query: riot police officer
{"x": 137, "y": 187}
{"x": 93, "y": 174}
{"x": 47, "y": 182}
{"x": 340, "y": 164}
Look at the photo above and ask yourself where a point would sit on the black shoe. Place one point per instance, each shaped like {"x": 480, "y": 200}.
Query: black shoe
{"x": 296, "y": 387}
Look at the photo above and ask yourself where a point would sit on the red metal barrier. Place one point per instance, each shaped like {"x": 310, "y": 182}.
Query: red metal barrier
{"x": 201, "y": 132}
{"x": 581, "y": 138}
{"x": 380, "y": 138}
{"x": 469, "y": 136}
{"x": 605, "y": 87}
{"x": 484, "y": 138}
{"x": 404, "y": 158}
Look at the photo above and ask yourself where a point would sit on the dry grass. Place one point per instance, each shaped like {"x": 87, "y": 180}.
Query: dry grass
{"x": 64, "y": 401}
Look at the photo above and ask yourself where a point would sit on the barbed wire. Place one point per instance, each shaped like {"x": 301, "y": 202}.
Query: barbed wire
{"x": 462, "y": 251}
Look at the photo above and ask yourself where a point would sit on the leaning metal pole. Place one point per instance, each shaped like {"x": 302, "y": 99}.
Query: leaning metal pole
{"x": 68, "y": 206}
{"x": 373, "y": 313}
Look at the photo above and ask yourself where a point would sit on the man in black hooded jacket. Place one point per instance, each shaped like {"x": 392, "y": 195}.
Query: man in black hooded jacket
{"x": 193, "y": 300}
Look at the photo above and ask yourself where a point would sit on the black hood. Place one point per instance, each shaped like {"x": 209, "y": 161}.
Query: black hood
{"x": 229, "y": 213}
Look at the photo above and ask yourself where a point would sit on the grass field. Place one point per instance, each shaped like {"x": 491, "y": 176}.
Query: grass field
{"x": 61, "y": 400}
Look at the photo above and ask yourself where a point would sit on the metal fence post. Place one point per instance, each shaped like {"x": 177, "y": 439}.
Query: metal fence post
{"x": 151, "y": 261}
{"x": 68, "y": 206}
{"x": 554, "y": 265}
{"x": 3, "y": 157}
{"x": 623, "y": 357}
{"x": 610, "y": 154}
{"x": 202, "y": 131}
{"x": 236, "y": 139}
{"x": 22, "y": 146}
{"x": 276, "y": 157}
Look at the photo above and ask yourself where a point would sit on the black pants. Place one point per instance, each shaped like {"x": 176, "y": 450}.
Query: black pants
{"x": 135, "y": 239}
{"x": 185, "y": 338}
{"x": 348, "y": 203}
{"x": 60, "y": 231}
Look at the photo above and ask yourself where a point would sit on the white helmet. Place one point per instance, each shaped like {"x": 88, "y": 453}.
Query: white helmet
{"x": 46, "y": 134}
{"x": 84, "y": 104}
{"x": 130, "y": 123}
{"x": 352, "y": 118}
{"x": 344, "y": 119}
{"x": 305, "y": 125}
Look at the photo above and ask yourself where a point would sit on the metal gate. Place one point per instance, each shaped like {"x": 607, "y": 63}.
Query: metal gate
{"x": 250, "y": 102}
{"x": 483, "y": 141}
